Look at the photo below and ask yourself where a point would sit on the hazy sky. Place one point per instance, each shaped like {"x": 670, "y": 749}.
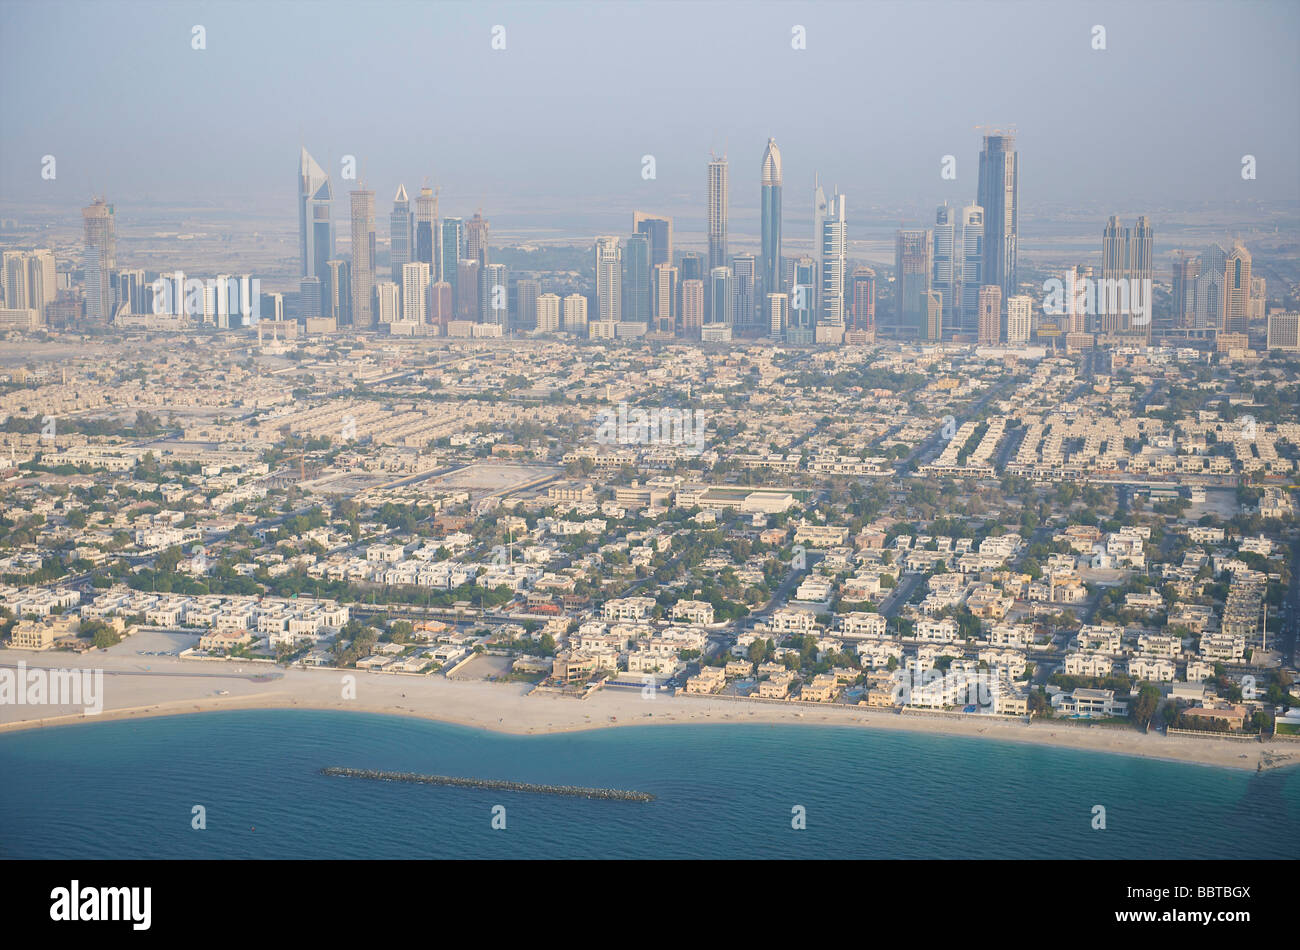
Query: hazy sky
{"x": 563, "y": 115}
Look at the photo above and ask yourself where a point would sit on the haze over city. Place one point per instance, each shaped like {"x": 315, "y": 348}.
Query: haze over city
{"x": 559, "y": 120}
{"x": 651, "y": 430}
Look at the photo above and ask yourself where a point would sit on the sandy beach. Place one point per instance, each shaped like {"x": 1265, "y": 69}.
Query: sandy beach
{"x": 144, "y": 686}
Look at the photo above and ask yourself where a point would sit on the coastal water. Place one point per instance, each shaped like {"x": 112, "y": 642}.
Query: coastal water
{"x": 126, "y": 789}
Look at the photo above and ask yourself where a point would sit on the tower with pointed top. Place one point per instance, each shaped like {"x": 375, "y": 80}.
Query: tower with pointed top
{"x": 315, "y": 228}
{"x": 399, "y": 234}
{"x": 771, "y": 211}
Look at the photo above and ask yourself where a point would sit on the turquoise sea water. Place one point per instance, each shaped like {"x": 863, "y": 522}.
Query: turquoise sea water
{"x": 126, "y": 790}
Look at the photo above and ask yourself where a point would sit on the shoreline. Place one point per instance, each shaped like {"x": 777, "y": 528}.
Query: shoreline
{"x": 179, "y": 689}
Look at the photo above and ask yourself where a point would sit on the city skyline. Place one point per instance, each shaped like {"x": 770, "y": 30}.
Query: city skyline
{"x": 650, "y": 429}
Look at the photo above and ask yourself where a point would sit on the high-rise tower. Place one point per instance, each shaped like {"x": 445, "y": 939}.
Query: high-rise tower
{"x": 1125, "y": 256}
{"x": 363, "y": 258}
{"x": 100, "y": 260}
{"x": 717, "y": 212}
{"x": 834, "y": 262}
{"x": 658, "y": 229}
{"x": 315, "y": 228}
{"x": 426, "y": 232}
{"x": 999, "y": 186}
{"x": 399, "y": 234}
{"x": 972, "y": 266}
{"x": 609, "y": 279}
{"x": 476, "y": 239}
{"x": 771, "y": 223}
{"x": 1236, "y": 290}
{"x": 449, "y": 247}
{"x": 913, "y": 267}
{"x": 946, "y": 277}
{"x": 636, "y": 279}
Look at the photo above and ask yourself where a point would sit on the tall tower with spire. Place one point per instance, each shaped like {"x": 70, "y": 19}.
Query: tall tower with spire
{"x": 771, "y": 211}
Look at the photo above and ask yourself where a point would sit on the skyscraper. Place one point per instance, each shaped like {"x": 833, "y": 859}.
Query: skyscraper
{"x": 913, "y": 266}
{"x": 636, "y": 279}
{"x": 990, "y": 313}
{"x": 526, "y": 297}
{"x": 399, "y": 233}
{"x": 717, "y": 213}
{"x": 609, "y": 279}
{"x": 548, "y": 313}
{"x": 575, "y": 314}
{"x": 1210, "y": 288}
{"x": 1125, "y": 256}
{"x": 311, "y": 297}
{"x": 415, "y": 289}
{"x": 770, "y": 202}
{"x": 493, "y": 301}
{"x": 834, "y": 263}
{"x": 1075, "y": 322}
{"x": 99, "y": 260}
{"x": 1236, "y": 290}
{"x": 972, "y": 266}
{"x": 692, "y": 307}
{"x": 721, "y": 293}
{"x": 663, "y": 303}
{"x": 819, "y": 218}
{"x": 778, "y": 315}
{"x": 387, "y": 306}
{"x": 931, "y": 330}
{"x": 466, "y": 289}
{"x": 1186, "y": 268}
{"x": 863, "y": 286}
{"x": 1283, "y": 331}
{"x": 31, "y": 283}
{"x": 426, "y": 231}
{"x": 363, "y": 258}
{"x": 946, "y": 277}
{"x": 744, "y": 305}
{"x": 338, "y": 294}
{"x": 453, "y": 236}
{"x": 315, "y": 227}
{"x": 659, "y": 229}
{"x": 1141, "y": 248}
{"x": 441, "y": 306}
{"x": 1114, "y": 266}
{"x": 1020, "y": 309}
{"x": 800, "y": 324}
{"x": 15, "y": 280}
{"x": 132, "y": 289}
{"x": 476, "y": 238}
{"x": 999, "y": 178}
{"x": 690, "y": 267}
